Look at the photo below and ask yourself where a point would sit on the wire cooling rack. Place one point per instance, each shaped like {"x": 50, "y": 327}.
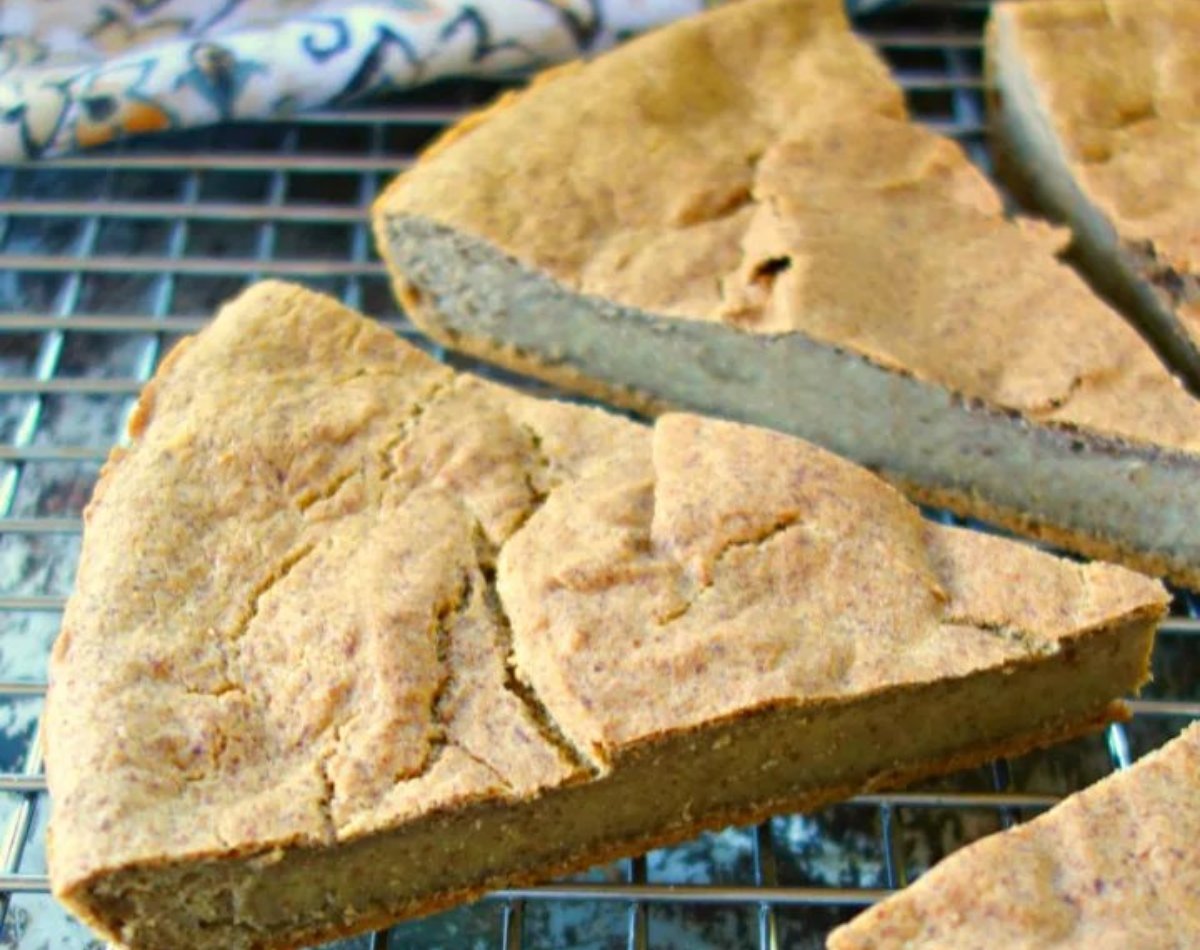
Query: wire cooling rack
{"x": 107, "y": 259}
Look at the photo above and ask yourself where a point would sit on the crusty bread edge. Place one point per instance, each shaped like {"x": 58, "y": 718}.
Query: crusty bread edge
{"x": 1116, "y": 711}
{"x": 961, "y": 503}
{"x": 1042, "y": 179}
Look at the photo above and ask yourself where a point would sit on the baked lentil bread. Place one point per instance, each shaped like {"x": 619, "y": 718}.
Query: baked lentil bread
{"x": 1112, "y": 866}
{"x": 1097, "y": 122}
{"x": 735, "y": 215}
{"x": 355, "y": 637}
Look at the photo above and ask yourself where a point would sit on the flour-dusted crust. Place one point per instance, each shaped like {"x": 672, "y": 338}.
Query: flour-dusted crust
{"x": 347, "y": 622}
{"x": 1112, "y": 866}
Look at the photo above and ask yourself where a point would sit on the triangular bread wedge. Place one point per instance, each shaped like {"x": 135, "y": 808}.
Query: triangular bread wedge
{"x": 1116, "y": 865}
{"x": 1097, "y": 121}
{"x": 355, "y": 637}
{"x": 734, "y": 215}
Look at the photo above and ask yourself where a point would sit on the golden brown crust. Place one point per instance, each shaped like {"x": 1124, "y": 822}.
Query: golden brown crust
{"x": 702, "y": 547}
{"x": 841, "y": 221}
{"x": 366, "y": 591}
{"x": 1113, "y": 866}
{"x": 506, "y": 100}
{"x": 1116, "y": 80}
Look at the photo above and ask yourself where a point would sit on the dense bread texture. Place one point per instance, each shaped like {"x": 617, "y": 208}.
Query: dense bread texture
{"x": 734, "y": 215}
{"x": 1097, "y": 121}
{"x": 1112, "y": 866}
{"x": 355, "y": 637}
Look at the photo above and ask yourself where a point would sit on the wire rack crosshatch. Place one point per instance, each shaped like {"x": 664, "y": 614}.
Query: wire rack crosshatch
{"x": 107, "y": 259}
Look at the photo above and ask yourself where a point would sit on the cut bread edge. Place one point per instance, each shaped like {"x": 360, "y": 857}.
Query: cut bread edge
{"x": 104, "y": 898}
{"x": 1101, "y": 496}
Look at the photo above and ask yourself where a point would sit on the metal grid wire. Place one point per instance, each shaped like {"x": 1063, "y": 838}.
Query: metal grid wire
{"x": 107, "y": 259}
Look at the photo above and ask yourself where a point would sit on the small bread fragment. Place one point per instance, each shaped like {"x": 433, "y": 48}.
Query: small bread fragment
{"x": 1116, "y": 865}
{"x": 356, "y": 637}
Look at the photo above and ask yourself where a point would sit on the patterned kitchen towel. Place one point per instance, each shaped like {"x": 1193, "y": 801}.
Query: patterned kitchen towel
{"x": 75, "y": 73}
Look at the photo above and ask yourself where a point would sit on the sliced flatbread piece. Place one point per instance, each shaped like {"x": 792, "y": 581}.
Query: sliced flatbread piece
{"x": 1096, "y": 114}
{"x": 734, "y": 215}
{"x": 1114, "y": 866}
{"x": 355, "y": 637}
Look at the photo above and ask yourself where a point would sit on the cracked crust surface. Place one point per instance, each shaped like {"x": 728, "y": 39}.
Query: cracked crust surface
{"x": 755, "y": 167}
{"x": 333, "y": 588}
{"x": 295, "y": 690}
{"x": 1112, "y": 866}
{"x": 749, "y": 579}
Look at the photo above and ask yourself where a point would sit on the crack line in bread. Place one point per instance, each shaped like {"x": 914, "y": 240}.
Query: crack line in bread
{"x": 277, "y": 575}
{"x": 1055, "y": 403}
{"x": 443, "y": 621}
{"x": 329, "y": 790}
{"x": 1032, "y": 642}
{"x": 445, "y": 618}
{"x": 539, "y": 493}
{"x": 438, "y": 391}
{"x": 524, "y": 691}
{"x": 488, "y": 553}
{"x": 313, "y": 496}
{"x": 784, "y": 522}
{"x": 781, "y": 523}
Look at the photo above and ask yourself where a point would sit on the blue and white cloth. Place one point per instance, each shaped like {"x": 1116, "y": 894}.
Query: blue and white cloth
{"x": 77, "y": 73}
